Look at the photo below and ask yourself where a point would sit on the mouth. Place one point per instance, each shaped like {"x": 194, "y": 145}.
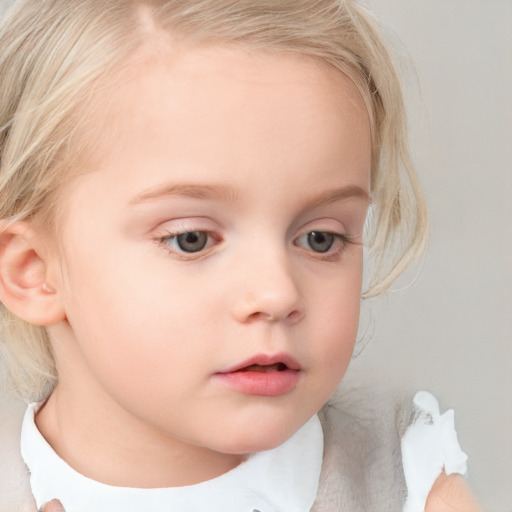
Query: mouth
{"x": 265, "y": 363}
{"x": 263, "y": 375}
{"x": 277, "y": 367}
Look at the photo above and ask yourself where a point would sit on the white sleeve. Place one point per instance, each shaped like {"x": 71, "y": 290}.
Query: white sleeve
{"x": 429, "y": 445}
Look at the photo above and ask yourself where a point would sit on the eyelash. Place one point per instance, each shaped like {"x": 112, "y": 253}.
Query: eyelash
{"x": 329, "y": 254}
{"x": 170, "y": 237}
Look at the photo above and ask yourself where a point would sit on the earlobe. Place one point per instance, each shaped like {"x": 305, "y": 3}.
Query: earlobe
{"x": 23, "y": 276}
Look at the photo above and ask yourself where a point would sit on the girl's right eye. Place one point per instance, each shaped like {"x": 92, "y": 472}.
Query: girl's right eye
{"x": 188, "y": 242}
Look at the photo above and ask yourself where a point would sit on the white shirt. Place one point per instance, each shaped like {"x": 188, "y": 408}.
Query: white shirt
{"x": 284, "y": 479}
{"x": 429, "y": 446}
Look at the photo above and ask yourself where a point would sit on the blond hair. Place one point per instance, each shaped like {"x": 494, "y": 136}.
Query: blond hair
{"x": 55, "y": 54}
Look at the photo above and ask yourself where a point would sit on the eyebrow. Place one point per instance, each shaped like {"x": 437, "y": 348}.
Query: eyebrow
{"x": 192, "y": 190}
{"x": 338, "y": 194}
{"x": 229, "y": 193}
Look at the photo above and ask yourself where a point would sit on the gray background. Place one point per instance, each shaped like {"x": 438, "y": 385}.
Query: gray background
{"x": 450, "y": 332}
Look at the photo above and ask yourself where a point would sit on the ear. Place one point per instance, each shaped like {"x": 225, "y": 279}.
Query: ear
{"x": 25, "y": 283}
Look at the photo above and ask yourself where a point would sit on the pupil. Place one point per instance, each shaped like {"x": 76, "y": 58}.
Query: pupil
{"x": 320, "y": 241}
{"x": 192, "y": 241}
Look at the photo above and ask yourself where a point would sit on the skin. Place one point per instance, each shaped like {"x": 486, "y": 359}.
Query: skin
{"x": 451, "y": 494}
{"x": 139, "y": 329}
{"x": 257, "y": 151}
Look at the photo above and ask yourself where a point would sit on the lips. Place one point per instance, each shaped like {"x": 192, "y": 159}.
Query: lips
{"x": 279, "y": 361}
{"x": 262, "y": 375}
{"x": 278, "y": 367}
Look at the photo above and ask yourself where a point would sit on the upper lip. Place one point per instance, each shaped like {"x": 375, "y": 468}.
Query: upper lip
{"x": 265, "y": 360}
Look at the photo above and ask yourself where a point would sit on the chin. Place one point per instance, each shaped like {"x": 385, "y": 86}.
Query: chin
{"x": 258, "y": 437}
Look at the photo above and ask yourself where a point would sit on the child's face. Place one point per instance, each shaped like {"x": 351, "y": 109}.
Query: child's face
{"x": 259, "y": 158}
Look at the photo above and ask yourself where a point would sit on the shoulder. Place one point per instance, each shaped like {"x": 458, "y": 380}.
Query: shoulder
{"x": 362, "y": 467}
{"x": 451, "y": 494}
{"x": 430, "y": 451}
{"x": 388, "y": 448}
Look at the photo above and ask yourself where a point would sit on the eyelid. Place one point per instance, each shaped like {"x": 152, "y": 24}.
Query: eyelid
{"x": 172, "y": 229}
{"x": 163, "y": 241}
{"x": 328, "y": 224}
{"x": 341, "y": 237}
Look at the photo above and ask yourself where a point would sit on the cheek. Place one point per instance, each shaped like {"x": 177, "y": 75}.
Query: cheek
{"x": 339, "y": 333}
{"x": 336, "y": 317}
{"x": 135, "y": 323}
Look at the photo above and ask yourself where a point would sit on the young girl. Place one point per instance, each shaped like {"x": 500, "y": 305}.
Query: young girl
{"x": 186, "y": 190}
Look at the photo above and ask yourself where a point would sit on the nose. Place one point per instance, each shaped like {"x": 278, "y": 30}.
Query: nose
{"x": 268, "y": 291}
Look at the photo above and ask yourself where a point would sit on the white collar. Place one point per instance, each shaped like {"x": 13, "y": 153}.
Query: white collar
{"x": 284, "y": 479}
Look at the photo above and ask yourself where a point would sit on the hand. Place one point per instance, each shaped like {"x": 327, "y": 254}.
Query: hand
{"x": 52, "y": 506}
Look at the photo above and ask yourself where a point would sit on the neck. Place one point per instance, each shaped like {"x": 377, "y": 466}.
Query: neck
{"x": 104, "y": 442}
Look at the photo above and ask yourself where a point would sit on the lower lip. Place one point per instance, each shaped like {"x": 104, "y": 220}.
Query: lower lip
{"x": 273, "y": 383}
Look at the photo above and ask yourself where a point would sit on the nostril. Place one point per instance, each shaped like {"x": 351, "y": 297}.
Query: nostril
{"x": 269, "y": 304}
{"x": 259, "y": 316}
{"x": 295, "y": 316}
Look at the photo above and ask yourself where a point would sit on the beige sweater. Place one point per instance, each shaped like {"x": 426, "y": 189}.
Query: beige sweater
{"x": 361, "y": 471}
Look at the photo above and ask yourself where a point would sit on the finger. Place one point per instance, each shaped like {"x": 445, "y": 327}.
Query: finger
{"x": 52, "y": 506}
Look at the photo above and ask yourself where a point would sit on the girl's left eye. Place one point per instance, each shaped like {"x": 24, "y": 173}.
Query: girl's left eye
{"x": 319, "y": 241}
{"x": 187, "y": 242}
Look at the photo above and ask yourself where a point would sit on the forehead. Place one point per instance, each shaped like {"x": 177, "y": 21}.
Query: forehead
{"x": 225, "y": 112}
